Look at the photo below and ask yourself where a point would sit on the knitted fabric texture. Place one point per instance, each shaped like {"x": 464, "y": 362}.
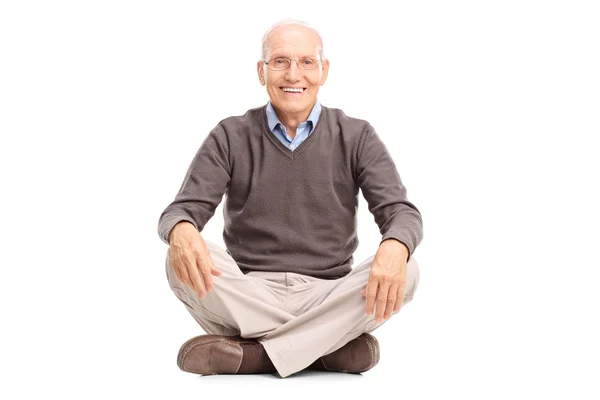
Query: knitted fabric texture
{"x": 294, "y": 211}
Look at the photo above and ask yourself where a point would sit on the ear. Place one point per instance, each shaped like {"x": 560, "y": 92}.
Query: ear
{"x": 260, "y": 69}
{"x": 324, "y": 71}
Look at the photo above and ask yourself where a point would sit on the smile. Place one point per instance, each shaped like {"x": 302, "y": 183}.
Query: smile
{"x": 292, "y": 90}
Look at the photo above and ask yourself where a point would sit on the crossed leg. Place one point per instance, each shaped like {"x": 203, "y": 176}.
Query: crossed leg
{"x": 238, "y": 305}
{"x": 328, "y": 326}
{"x": 245, "y": 306}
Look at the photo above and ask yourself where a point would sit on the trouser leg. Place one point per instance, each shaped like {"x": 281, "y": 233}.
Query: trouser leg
{"x": 339, "y": 318}
{"x": 238, "y": 305}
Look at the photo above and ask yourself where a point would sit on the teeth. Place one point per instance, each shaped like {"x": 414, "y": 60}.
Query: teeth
{"x": 297, "y": 90}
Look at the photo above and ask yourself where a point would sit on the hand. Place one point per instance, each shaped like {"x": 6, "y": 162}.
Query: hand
{"x": 387, "y": 279}
{"x": 190, "y": 258}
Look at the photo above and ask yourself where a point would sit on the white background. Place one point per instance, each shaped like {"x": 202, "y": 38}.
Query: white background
{"x": 490, "y": 110}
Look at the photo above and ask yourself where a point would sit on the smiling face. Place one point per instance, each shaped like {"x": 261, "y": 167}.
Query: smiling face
{"x": 293, "y": 91}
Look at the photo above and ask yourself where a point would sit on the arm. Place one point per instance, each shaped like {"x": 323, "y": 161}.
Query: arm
{"x": 202, "y": 190}
{"x": 382, "y": 188}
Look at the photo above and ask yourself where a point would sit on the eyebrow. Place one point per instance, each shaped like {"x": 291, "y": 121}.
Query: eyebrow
{"x": 278, "y": 55}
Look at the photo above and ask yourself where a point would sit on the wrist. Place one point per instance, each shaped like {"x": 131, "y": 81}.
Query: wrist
{"x": 176, "y": 228}
{"x": 397, "y": 244}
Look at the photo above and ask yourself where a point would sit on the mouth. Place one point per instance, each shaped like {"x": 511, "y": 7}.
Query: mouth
{"x": 292, "y": 91}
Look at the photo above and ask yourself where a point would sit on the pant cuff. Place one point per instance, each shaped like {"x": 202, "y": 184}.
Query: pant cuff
{"x": 276, "y": 358}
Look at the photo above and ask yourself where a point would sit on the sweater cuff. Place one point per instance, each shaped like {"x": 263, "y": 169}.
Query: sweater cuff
{"x": 168, "y": 222}
{"x": 402, "y": 239}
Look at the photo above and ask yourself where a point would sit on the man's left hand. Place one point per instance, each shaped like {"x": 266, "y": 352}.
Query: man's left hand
{"x": 387, "y": 279}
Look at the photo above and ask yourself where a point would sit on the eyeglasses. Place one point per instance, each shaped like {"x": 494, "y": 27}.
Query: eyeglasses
{"x": 281, "y": 63}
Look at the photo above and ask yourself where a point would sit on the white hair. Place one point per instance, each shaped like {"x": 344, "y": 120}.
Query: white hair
{"x": 290, "y": 22}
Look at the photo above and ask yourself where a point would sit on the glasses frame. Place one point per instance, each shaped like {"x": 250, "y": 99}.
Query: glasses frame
{"x": 290, "y": 63}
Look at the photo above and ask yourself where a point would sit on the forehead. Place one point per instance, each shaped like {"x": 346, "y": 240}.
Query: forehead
{"x": 293, "y": 40}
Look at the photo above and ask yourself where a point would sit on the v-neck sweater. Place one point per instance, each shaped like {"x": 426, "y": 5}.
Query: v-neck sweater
{"x": 294, "y": 210}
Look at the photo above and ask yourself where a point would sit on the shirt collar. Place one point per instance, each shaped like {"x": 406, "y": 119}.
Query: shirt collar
{"x": 273, "y": 120}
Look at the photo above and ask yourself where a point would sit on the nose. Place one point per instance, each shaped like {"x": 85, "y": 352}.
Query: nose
{"x": 293, "y": 72}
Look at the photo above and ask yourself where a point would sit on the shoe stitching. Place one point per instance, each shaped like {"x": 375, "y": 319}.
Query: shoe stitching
{"x": 323, "y": 362}
{"x": 376, "y": 348}
{"x": 372, "y": 351}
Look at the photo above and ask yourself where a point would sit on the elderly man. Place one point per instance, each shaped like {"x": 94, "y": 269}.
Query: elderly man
{"x": 283, "y": 296}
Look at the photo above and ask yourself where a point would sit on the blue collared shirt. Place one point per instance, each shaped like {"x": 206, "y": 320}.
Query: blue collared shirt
{"x": 303, "y": 131}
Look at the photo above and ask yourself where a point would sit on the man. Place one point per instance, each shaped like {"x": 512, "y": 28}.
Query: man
{"x": 283, "y": 296}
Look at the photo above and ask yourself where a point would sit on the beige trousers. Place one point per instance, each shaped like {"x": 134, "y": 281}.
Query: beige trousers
{"x": 297, "y": 318}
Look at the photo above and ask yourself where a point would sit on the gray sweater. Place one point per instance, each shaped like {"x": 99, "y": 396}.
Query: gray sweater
{"x": 294, "y": 211}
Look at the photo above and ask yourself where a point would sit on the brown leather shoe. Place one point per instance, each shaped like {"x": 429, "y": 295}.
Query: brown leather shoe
{"x": 217, "y": 354}
{"x": 358, "y": 355}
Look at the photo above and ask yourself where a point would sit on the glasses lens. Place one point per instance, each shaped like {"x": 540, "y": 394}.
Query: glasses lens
{"x": 307, "y": 63}
{"x": 279, "y": 63}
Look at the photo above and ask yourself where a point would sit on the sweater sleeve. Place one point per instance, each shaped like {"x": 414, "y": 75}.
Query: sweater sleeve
{"x": 203, "y": 187}
{"x": 385, "y": 194}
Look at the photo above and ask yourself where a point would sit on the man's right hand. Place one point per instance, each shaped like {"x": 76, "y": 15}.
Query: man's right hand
{"x": 190, "y": 258}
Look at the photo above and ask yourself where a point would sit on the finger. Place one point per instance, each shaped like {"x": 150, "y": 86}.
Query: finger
{"x": 177, "y": 272}
{"x": 185, "y": 277}
{"x": 178, "y": 267}
{"x": 391, "y": 300}
{"x": 215, "y": 271}
{"x": 363, "y": 293}
{"x": 206, "y": 275}
{"x": 382, "y": 294}
{"x": 195, "y": 277}
{"x": 400, "y": 299}
{"x": 371, "y": 295}
{"x": 173, "y": 265}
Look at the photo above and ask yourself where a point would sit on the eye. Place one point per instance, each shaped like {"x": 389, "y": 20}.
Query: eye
{"x": 307, "y": 61}
{"x": 280, "y": 61}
